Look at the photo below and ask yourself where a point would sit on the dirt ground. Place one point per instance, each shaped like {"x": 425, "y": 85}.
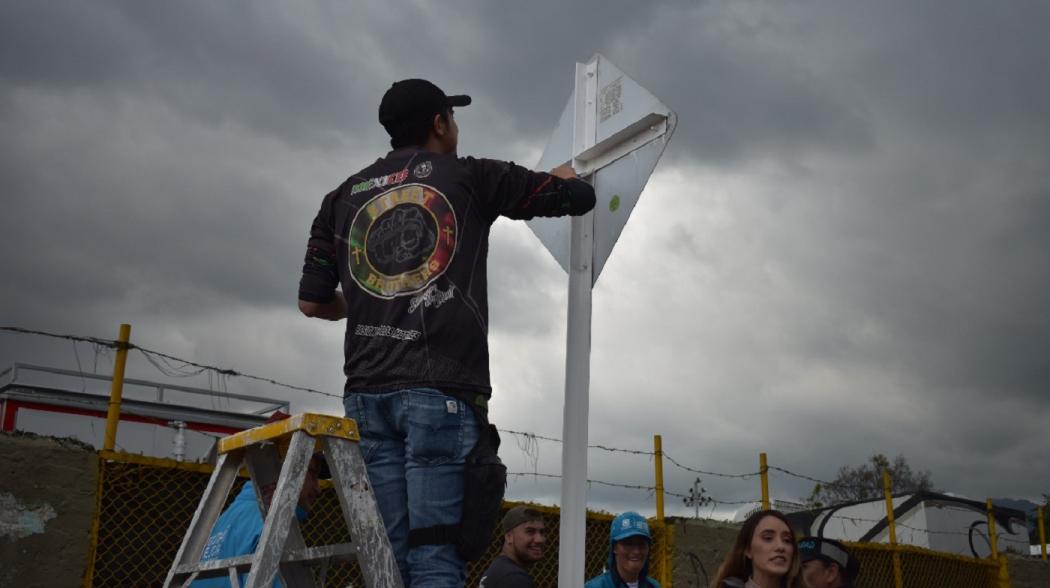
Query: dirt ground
{"x": 47, "y": 501}
{"x": 700, "y": 545}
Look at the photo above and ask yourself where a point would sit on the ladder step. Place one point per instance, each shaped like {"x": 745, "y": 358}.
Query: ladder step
{"x": 335, "y": 553}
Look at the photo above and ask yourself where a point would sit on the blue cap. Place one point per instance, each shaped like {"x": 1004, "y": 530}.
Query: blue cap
{"x": 629, "y": 524}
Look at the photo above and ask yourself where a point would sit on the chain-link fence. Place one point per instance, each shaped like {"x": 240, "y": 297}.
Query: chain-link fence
{"x": 921, "y": 568}
{"x": 145, "y": 507}
{"x": 700, "y": 547}
{"x": 144, "y": 511}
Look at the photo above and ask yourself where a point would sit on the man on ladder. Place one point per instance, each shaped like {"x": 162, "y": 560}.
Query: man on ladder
{"x": 407, "y": 239}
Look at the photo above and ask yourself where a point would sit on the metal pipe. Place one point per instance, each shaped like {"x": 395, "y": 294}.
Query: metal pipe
{"x": 1042, "y": 534}
{"x": 992, "y": 535}
{"x": 179, "y": 449}
{"x": 89, "y": 571}
{"x": 117, "y": 389}
{"x": 572, "y": 531}
{"x": 659, "y": 453}
{"x": 764, "y": 471}
{"x": 891, "y": 525}
{"x": 271, "y": 403}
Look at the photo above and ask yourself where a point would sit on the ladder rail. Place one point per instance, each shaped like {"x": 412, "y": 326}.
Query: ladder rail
{"x": 280, "y": 517}
{"x": 264, "y": 464}
{"x": 357, "y": 502}
{"x": 208, "y": 510}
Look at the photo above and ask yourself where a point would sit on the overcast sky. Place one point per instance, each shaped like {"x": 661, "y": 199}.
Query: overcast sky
{"x": 843, "y": 250}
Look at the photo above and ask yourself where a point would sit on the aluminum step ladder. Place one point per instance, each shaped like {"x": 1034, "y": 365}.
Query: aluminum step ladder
{"x": 281, "y": 549}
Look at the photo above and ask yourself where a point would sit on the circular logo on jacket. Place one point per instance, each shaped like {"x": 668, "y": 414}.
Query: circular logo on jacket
{"x": 423, "y": 170}
{"x": 402, "y": 240}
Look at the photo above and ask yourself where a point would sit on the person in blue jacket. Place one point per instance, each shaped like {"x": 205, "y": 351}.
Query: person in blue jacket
{"x": 237, "y": 530}
{"x": 629, "y": 546}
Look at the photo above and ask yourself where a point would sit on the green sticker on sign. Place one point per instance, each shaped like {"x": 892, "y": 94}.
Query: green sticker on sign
{"x": 614, "y": 203}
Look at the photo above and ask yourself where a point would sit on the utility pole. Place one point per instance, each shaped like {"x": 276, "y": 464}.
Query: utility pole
{"x": 697, "y": 497}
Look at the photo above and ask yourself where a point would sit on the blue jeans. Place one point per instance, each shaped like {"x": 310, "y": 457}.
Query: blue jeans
{"x": 415, "y": 443}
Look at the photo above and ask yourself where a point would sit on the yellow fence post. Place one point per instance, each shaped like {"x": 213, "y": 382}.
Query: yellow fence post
{"x": 658, "y": 452}
{"x": 1042, "y": 534}
{"x": 993, "y": 538}
{"x": 764, "y": 471}
{"x": 89, "y": 570}
{"x": 891, "y": 525}
{"x": 117, "y": 389}
{"x": 992, "y": 535}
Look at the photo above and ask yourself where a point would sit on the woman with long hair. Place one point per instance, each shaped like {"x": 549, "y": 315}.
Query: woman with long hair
{"x": 764, "y": 555}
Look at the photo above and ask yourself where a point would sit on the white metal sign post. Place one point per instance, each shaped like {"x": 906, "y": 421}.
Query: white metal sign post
{"x": 573, "y": 524}
{"x": 613, "y": 132}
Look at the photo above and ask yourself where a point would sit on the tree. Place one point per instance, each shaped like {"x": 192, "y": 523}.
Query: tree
{"x": 864, "y": 482}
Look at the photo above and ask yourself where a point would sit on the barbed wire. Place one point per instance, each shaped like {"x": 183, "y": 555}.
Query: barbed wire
{"x": 804, "y": 477}
{"x": 897, "y": 524}
{"x": 161, "y": 361}
{"x": 696, "y": 471}
{"x": 176, "y": 367}
{"x": 230, "y": 372}
{"x": 95, "y": 340}
{"x": 600, "y": 447}
{"x": 650, "y": 489}
{"x": 164, "y": 366}
{"x": 529, "y": 435}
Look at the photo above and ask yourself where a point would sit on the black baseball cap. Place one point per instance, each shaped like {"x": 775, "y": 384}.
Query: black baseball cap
{"x": 413, "y": 100}
{"x": 831, "y": 551}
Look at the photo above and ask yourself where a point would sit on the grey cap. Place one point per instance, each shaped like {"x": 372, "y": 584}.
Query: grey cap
{"x": 520, "y": 515}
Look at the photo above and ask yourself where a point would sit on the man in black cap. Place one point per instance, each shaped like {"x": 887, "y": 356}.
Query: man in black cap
{"x": 826, "y": 563}
{"x": 407, "y": 240}
{"x": 524, "y": 541}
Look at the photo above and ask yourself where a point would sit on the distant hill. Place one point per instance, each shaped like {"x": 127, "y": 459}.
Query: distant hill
{"x": 1026, "y": 506}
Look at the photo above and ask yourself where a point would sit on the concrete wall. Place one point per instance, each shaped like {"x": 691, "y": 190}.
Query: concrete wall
{"x": 1029, "y": 572}
{"x": 700, "y": 545}
{"x": 47, "y": 501}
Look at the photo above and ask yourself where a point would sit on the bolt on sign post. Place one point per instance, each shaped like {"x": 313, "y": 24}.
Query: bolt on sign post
{"x": 891, "y": 525}
{"x": 117, "y": 389}
{"x": 612, "y": 132}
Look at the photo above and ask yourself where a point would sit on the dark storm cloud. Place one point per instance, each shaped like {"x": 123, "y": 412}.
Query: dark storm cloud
{"x": 851, "y": 233}
{"x": 234, "y": 63}
{"x": 146, "y": 199}
{"x": 936, "y": 232}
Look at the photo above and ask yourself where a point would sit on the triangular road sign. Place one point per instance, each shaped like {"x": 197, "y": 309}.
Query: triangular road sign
{"x": 615, "y": 131}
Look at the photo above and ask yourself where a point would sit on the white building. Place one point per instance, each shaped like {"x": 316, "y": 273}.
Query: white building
{"x": 925, "y": 519}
